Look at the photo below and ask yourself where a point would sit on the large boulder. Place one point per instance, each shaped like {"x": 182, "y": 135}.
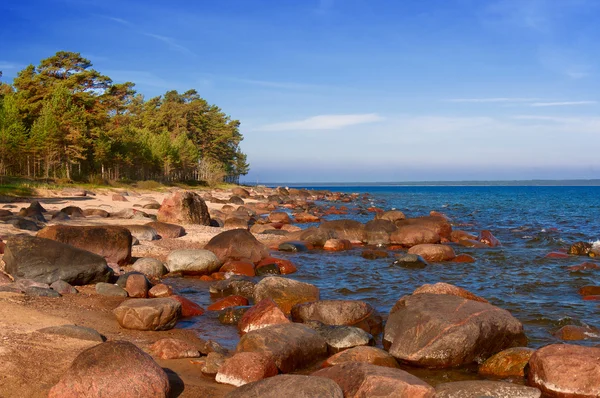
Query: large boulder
{"x": 566, "y": 370}
{"x": 148, "y": 314}
{"x": 359, "y": 379}
{"x": 433, "y": 252}
{"x": 265, "y": 313}
{"x": 485, "y": 388}
{"x": 437, "y": 224}
{"x": 352, "y": 230}
{"x": 142, "y": 232}
{"x": 237, "y": 244}
{"x": 184, "y": 207}
{"x": 296, "y": 386}
{"x": 47, "y": 261}
{"x": 391, "y": 215}
{"x": 111, "y": 242}
{"x": 193, "y": 261}
{"x": 367, "y": 354}
{"x": 446, "y": 288}
{"x": 246, "y": 367}
{"x": 412, "y": 235}
{"x": 442, "y": 331}
{"x": 166, "y": 230}
{"x": 377, "y": 232}
{"x": 292, "y": 346}
{"x": 285, "y": 292}
{"x": 113, "y": 369}
{"x": 340, "y": 312}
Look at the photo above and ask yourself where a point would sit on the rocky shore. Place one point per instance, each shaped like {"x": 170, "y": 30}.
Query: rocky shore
{"x": 86, "y": 306}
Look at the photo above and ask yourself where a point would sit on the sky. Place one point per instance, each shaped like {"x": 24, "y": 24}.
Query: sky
{"x": 354, "y": 90}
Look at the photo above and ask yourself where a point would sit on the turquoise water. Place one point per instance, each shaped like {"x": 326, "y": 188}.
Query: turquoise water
{"x": 529, "y": 221}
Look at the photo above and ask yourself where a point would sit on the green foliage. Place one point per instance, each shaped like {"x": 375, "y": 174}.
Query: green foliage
{"x": 66, "y": 120}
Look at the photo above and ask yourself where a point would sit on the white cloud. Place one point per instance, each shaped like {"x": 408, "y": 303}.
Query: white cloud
{"x": 323, "y": 122}
{"x": 564, "y": 103}
{"x": 276, "y": 84}
{"x": 170, "y": 42}
{"x": 491, "y": 100}
{"x": 8, "y": 65}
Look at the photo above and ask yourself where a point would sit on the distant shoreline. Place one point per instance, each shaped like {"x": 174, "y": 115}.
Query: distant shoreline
{"x": 483, "y": 183}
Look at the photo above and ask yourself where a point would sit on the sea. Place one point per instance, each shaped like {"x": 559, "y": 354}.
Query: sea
{"x": 529, "y": 221}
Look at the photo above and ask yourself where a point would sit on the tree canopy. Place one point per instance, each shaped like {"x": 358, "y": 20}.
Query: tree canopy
{"x": 64, "y": 119}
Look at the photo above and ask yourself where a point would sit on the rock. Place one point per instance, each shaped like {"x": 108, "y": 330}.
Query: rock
{"x": 340, "y": 312}
{"x": 151, "y": 206}
{"x": 184, "y": 208}
{"x": 341, "y": 338}
{"x": 122, "y": 279}
{"x": 232, "y": 315}
{"x": 306, "y": 218}
{"x": 439, "y": 225}
{"x": 75, "y": 192}
{"x": 359, "y": 379}
{"x": 96, "y": 213}
{"x": 169, "y": 348}
{"x": 279, "y": 217}
{"x": 453, "y": 331}
{"x": 237, "y": 244}
{"x": 238, "y": 268}
{"x": 581, "y": 248}
{"x": 142, "y": 232}
{"x": 212, "y": 363}
{"x": 63, "y": 287}
{"x": 285, "y": 292}
{"x": 236, "y": 200}
{"x": 241, "y": 192}
{"x": 412, "y": 235}
{"x": 583, "y": 267}
{"x": 188, "y": 307}
{"x": 113, "y": 369}
{"x": 41, "y": 292}
{"x": 150, "y": 267}
{"x": 148, "y": 314}
{"x": 23, "y": 284}
{"x": 463, "y": 258}
{"x": 351, "y": 230}
{"x": 231, "y": 286}
{"x": 166, "y": 230}
{"x": 457, "y": 235}
{"x": 574, "y": 333}
{"x": 119, "y": 198}
{"x": 193, "y": 261}
{"x": 108, "y": 289}
{"x": 366, "y": 354}
{"x": 488, "y": 239}
{"x": 74, "y": 332}
{"x": 296, "y": 386}
{"x": 60, "y": 216}
{"x": 446, "y": 288}
{"x": 392, "y": 215}
{"x": 377, "y": 232}
{"x": 292, "y": 346}
{"x": 374, "y": 254}
{"x": 292, "y": 247}
{"x": 236, "y": 223}
{"x": 229, "y": 301}
{"x": 285, "y": 267}
{"x": 246, "y": 367}
{"x": 25, "y": 224}
{"x": 433, "y": 253}
{"x": 137, "y": 286}
{"x": 589, "y": 290}
{"x": 48, "y": 261}
{"x": 111, "y": 242}
{"x": 264, "y": 313}
{"x": 337, "y": 245}
{"x": 507, "y": 363}
{"x": 160, "y": 290}
{"x": 73, "y": 211}
{"x": 485, "y": 388}
{"x": 566, "y": 370}
{"x": 410, "y": 261}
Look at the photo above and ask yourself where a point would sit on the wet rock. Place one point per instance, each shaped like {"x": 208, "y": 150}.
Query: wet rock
{"x": 160, "y": 290}
{"x": 239, "y": 268}
{"x": 378, "y": 231}
{"x": 292, "y": 346}
{"x": 166, "y": 230}
{"x": 374, "y": 254}
{"x": 212, "y": 363}
{"x": 264, "y": 313}
{"x": 41, "y": 292}
{"x": 63, "y": 287}
{"x": 589, "y": 290}
{"x": 232, "y": 286}
{"x": 169, "y": 348}
{"x": 188, "y": 307}
{"x": 137, "y": 286}
{"x": 391, "y": 215}
{"x": 184, "y": 208}
{"x": 410, "y": 261}
{"x": 292, "y": 247}
{"x": 341, "y": 338}
{"x": 150, "y": 267}
{"x": 340, "y": 312}
{"x": 359, "y": 379}
{"x": 268, "y": 269}
{"x": 337, "y": 245}
{"x": 48, "y": 261}
{"x": 454, "y": 331}
{"x": 237, "y": 244}
{"x": 583, "y": 267}
{"x": 246, "y": 367}
{"x": 193, "y": 261}
{"x": 446, "y": 288}
{"x": 108, "y": 289}
{"x": 581, "y": 248}
{"x": 412, "y": 235}
{"x": 229, "y": 301}
{"x": 114, "y": 369}
{"x": 111, "y": 242}
{"x": 148, "y": 314}
{"x": 306, "y": 217}
{"x": 286, "y": 267}
{"x": 351, "y": 230}
{"x": 74, "y": 332}
{"x": 485, "y": 388}
{"x": 556, "y": 255}
{"x": 457, "y": 235}
{"x": 366, "y": 354}
{"x": 433, "y": 253}
{"x": 232, "y": 315}
{"x": 289, "y": 386}
{"x": 488, "y": 239}
{"x": 507, "y": 363}
{"x": 575, "y": 333}
{"x": 439, "y": 225}
{"x": 285, "y": 292}
{"x": 463, "y": 258}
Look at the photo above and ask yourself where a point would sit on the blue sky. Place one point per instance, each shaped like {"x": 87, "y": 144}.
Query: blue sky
{"x": 354, "y": 90}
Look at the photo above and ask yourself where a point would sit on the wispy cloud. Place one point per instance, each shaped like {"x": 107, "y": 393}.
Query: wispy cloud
{"x": 277, "y": 84}
{"x": 169, "y": 41}
{"x": 9, "y": 65}
{"x": 142, "y": 78}
{"x": 564, "y": 103}
{"x": 115, "y": 19}
{"x": 323, "y": 122}
{"x": 486, "y": 100}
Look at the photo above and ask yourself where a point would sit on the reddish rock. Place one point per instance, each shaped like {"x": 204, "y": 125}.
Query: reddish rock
{"x": 148, "y": 314}
{"x": 566, "y": 370}
{"x": 485, "y": 388}
{"x": 488, "y": 239}
{"x": 359, "y": 379}
{"x": 374, "y": 254}
{"x": 113, "y": 369}
{"x": 438, "y": 225}
{"x": 592, "y": 298}
{"x": 218, "y": 276}
{"x": 246, "y": 367}
{"x": 589, "y": 290}
{"x": 290, "y": 228}
{"x": 238, "y": 268}
{"x": 392, "y": 215}
{"x": 306, "y": 218}
{"x": 292, "y": 346}
{"x": 583, "y": 267}
{"x": 241, "y": 192}
{"x": 507, "y": 363}
{"x": 337, "y": 245}
{"x": 160, "y": 290}
{"x": 289, "y": 386}
{"x": 206, "y": 278}
{"x": 412, "y": 235}
{"x": 137, "y": 286}
{"x": 377, "y": 232}
{"x": 556, "y": 255}
{"x": 285, "y": 292}
{"x": 433, "y": 253}
{"x": 184, "y": 207}
{"x": 351, "y": 230}
{"x": 166, "y": 230}
{"x": 463, "y": 258}
{"x": 366, "y": 354}
{"x": 340, "y": 313}
{"x": 446, "y": 288}
{"x": 237, "y": 244}
{"x": 472, "y": 243}
{"x": 279, "y": 217}
{"x": 188, "y": 307}
{"x": 264, "y": 313}
{"x": 452, "y": 331}
{"x": 434, "y": 213}
{"x": 169, "y": 348}
{"x": 119, "y": 198}
{"x": 457, "y": 235}
{"x": 575, "y": 333}
{"x": 229, "y": 301}
{"x": 285, "y": 266}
